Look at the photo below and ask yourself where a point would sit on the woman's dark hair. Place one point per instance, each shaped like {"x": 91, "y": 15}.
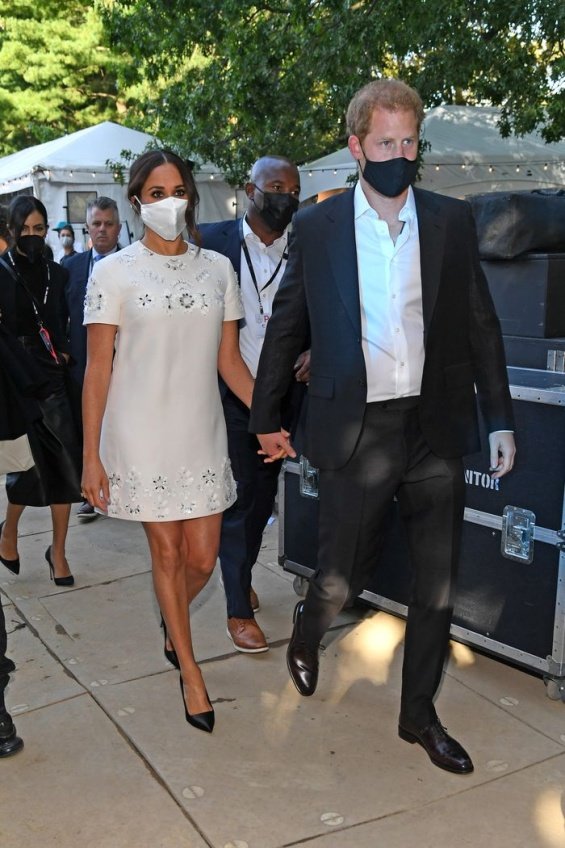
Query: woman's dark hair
{"x": 147, "y": 162}
{"x": 21, "y": 208}
{"x": 69, "y": 228}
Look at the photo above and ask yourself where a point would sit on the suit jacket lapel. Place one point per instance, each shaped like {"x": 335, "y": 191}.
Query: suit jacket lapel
{"x": 342, "y": 255}
{"x": 431, "y": 229}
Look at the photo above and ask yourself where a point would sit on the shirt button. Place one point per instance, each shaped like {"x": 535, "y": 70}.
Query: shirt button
{"x": 397, "y": 329}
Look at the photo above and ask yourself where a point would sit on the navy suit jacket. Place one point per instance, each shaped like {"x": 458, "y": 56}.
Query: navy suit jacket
{"x": 78, "y": 268}
{"x": 319, "y": 295}
{"x": 224, "y": 237}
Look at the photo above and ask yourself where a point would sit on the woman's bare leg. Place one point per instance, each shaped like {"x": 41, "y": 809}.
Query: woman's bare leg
{"x": 60, "y": 514}
{"x": 183, "y": 555}
{"x": 9, "y": 537}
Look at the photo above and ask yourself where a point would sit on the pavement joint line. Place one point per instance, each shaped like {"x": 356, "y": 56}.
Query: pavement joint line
{"x": 131, "y": 744}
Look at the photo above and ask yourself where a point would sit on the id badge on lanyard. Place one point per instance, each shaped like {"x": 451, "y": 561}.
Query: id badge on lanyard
{"x": 262, "y": 320}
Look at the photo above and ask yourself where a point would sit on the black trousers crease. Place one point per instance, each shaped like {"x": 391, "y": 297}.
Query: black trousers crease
{"x": 392, "y": 460}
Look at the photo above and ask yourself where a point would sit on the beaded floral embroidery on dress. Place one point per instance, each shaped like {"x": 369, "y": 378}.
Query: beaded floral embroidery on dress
{"x": 210, "y": 489}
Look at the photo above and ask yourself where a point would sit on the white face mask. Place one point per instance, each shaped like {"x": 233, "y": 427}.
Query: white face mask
{"x": 165, "y": 217}
{"x": 67, "y": 241}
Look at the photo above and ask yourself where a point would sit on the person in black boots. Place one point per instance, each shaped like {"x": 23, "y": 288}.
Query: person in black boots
{"x": 387, "y": 282}
{"x": 10, "y": 742}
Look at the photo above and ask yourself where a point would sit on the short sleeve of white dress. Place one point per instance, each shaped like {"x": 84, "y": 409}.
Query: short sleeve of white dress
{"x": 233, "y": 304}
{"x": 163, "y": 442}
{"x": 102, "y": 304}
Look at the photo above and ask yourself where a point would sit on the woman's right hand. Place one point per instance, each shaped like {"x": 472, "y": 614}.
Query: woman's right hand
{"x": 94, "y": 485}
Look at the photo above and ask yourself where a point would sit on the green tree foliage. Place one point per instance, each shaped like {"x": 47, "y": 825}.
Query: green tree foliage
{"x": 230, "y": 79}
{"x": 57, "y": 73}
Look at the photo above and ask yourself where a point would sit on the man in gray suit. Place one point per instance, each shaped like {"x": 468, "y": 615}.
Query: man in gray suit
{"x": 103, "y": 225}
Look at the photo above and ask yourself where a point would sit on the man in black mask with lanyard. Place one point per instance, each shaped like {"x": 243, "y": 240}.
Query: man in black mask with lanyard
{"x": 257, "y": 247}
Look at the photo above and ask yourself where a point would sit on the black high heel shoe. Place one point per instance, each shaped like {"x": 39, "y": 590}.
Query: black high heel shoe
{"x": 170, "y": 655}
{"x": 201, "y": 721}
{"x": 59, "y": 581}
{"x": 12, "y": 565}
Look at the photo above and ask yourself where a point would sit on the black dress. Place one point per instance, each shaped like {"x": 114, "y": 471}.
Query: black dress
{"x": 53, "y": 438}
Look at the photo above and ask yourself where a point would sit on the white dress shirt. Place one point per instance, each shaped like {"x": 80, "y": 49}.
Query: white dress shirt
{"x": 265, "y": 259}
{"x": 390, "y": 292}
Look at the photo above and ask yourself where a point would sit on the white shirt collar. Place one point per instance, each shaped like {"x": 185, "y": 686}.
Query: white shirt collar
{"x": 361, "y": 205}
{"x": 248, "y": 234}
{"x": 95, "y": 253}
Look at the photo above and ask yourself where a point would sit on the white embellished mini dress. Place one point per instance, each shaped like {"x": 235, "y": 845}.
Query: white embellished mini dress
{"x": 163, "y": 443}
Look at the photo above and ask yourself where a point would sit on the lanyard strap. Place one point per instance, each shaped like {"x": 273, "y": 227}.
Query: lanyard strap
{"x": 18, "y": 277}
{"x": 252, "y": 269}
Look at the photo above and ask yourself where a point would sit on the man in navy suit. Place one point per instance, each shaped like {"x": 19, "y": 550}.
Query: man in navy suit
{"x": 103, "y": 225}
{"x": 256, "y": 245}
{"x": 385, "y": 281}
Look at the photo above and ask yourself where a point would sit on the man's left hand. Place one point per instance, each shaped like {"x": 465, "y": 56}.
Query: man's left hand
{"x": 502, "y": 452}
{"x": 302, "y": 367}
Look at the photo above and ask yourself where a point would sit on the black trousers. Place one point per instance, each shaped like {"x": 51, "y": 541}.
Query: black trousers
{"x": 392, "y": 459}
{"x": 244, "y": 522}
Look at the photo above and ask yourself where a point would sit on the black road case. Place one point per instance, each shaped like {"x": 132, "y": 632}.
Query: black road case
{"x": 525, "y": 352}
{"x": 529, "y": 294}
{"x": 511, "y": 588}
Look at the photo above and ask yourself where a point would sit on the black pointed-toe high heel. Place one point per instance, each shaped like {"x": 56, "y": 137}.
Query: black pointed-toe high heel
{"x": 12, "y": 565}
{"x": 170, "y": 654}
{"x": 201, "y": 721}
{"x": 59, "y": 581}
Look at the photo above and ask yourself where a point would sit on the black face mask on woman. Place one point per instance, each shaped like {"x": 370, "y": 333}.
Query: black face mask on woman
{"x": 391, "y": 177}
{"x": 31, "y": 246}
{"x": 278, "y": 209}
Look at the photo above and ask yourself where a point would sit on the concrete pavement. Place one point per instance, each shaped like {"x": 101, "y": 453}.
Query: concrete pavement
{"x": 109, "y": 761}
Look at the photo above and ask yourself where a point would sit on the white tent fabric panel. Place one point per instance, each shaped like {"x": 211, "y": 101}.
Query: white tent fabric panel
{"x": 78, "y": 163}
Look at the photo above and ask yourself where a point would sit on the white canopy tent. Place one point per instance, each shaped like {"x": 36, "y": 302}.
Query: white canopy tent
{"x": 66, "y": 172}
{"x": 467, "y": 155}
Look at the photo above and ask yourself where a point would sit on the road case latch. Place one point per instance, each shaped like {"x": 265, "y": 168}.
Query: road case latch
{"x": 517, "y": 541}
{"x": 308, "y": 479}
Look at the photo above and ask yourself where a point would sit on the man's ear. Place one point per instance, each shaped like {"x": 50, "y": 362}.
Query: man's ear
{"x": 354, "y": 146}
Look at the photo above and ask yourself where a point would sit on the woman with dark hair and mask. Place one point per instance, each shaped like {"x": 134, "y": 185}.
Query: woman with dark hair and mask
{"x": 67, "y": 242}
{"x": 31, "y": 308}
{"x": 155, "y": 445}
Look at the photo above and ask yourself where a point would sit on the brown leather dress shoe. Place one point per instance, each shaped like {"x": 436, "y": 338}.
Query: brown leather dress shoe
{"x": 444, "y": 751}
{"x": 246, "y": 635}
{"x": 301, "y": 660}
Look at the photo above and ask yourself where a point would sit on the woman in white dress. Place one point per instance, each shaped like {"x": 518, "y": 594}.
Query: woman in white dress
{"x": 162, "y": 320}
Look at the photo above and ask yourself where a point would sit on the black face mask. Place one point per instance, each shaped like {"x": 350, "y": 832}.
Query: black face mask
{"x": 278, "y": 209}
{"x": 31, "y": 246}
{"x": 391, "y": 177}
